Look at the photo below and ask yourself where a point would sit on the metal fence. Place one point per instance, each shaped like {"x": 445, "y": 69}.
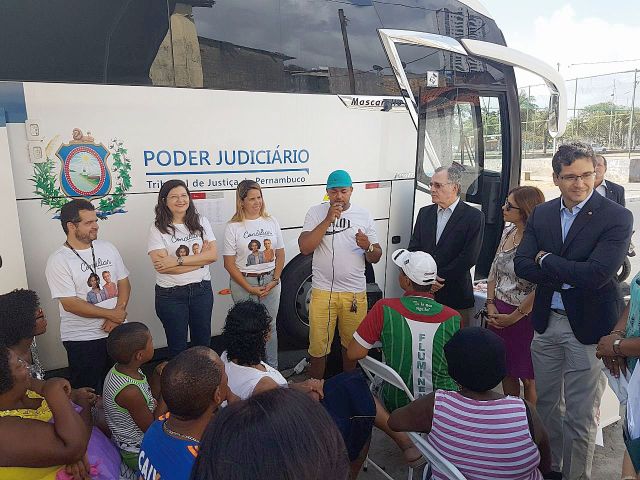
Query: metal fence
{"x": 603, "y": 111}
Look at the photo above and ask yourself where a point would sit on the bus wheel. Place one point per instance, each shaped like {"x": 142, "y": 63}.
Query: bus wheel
{"x": 293, "y": 315}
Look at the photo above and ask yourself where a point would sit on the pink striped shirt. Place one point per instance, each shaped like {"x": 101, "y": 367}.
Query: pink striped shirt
{"x": 485, "y": 440}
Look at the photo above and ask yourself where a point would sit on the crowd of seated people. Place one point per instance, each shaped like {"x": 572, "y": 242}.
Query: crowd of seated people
{"x": 175, "y": 426}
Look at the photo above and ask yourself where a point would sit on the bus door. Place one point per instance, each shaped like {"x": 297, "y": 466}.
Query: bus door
{"x": 467, "y": 128}
{"x": 463, "y": 100}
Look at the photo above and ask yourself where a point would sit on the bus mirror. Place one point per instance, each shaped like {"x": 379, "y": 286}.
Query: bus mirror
{"x": 554, "y": 114}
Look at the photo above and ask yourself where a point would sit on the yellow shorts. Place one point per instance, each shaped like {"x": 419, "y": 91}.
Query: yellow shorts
{"x": 321, "y": 327}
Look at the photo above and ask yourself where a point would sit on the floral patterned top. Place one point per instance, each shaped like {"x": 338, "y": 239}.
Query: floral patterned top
{"x": 509, "y": 288}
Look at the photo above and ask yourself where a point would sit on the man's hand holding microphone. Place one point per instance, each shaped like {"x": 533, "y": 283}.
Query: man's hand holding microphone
{"x": 335, "y": 210}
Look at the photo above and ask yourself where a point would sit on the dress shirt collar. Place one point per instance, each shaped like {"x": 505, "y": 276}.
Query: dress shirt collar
{"x": 578, "y": 207}
{"x": 451, "y": 207}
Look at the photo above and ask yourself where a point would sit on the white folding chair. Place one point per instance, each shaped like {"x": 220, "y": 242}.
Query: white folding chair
{"x": 373, "y": 368}
{"x": 444, "y": 466}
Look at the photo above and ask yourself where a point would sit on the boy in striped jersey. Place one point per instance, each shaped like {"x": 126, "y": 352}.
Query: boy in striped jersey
{"x": 130, "y": 403}
{"x": 412, "y": 330}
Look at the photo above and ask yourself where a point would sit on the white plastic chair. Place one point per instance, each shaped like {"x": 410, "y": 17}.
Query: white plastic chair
{"x": 444, "y": 466}
{"x": 373, "y": 368}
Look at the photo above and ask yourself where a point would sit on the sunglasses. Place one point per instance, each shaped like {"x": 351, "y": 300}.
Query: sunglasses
{"x": 508, "y": 206}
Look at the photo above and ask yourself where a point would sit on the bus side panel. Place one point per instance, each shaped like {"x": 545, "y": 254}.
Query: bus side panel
{"x": 213, "y": 139}
{"x": 42, "y": 234}
{"x": 12, "y": 269}
{"x": 400, "y": 226}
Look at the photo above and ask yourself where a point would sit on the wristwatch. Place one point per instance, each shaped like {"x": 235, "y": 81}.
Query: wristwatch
{"x": 180, "y": 260}
{"x": 616, "y": 346}
{"x": 370, "y": 249}
{"x": 277, "y": 280}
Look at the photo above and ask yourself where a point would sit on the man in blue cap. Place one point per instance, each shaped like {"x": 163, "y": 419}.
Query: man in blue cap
{"x": 340, "y": 236}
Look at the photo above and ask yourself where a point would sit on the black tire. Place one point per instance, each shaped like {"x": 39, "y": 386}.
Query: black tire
{"x": 293, "y": 315}
{"x": 625, "y": 270}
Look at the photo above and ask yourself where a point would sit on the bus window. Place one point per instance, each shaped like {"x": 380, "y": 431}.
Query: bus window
{"x": 79, "y": 42}
{"x": 491, "y": 133}
{"x": 299, "y": 47}
{"x": 452, "y": 132}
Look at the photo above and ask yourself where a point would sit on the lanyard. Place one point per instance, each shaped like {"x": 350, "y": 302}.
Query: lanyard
{"x": 93, "y": 254}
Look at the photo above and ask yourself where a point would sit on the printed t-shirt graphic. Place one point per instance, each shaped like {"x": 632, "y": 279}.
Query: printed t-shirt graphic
{"x": 338, "y": 254}
{"x": 182, "y": 243}
{"x": 253, "y": 242}
{"x": 69, "y": 276}
{"x": 413, "y": 331}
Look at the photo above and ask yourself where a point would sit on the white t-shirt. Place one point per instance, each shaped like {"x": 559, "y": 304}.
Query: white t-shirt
{"x": 184, "y": 243}
{"x": 68, "y": 276}
{"x": 254, "y": 244}
{"x": 243, "y": 380}
{"x": 348, "y": 261}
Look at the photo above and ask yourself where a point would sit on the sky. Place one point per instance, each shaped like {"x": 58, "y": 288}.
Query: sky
{"x": 571, "y": 32}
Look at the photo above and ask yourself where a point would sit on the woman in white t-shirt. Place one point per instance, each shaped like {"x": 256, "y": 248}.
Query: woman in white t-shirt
{"x": 184, "y": 298}
{"x": 254, "y": 256}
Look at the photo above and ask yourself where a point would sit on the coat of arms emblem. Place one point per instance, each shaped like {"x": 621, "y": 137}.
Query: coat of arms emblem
{"x": 84, "y": 172}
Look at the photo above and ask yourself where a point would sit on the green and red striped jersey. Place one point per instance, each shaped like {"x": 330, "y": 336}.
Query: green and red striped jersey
{"x": 413, "y": 331}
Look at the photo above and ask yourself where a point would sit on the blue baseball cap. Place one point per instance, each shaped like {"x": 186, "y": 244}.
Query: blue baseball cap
{"x": 338, "y": 179}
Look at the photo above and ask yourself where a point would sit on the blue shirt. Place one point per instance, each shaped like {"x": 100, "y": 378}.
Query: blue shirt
{"x": 164, "y": 455}
{"x": 566, "y": 220}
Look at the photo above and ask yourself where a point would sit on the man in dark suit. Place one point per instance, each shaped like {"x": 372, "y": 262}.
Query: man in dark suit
{"x": 607, "y": 188}
{"x": 571, "y": 249}
{"x": 451, "y": 232}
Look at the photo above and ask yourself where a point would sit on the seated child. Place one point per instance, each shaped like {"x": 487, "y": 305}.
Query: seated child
{"x": 194, "y": 384}
{"x": 130, "y": 405}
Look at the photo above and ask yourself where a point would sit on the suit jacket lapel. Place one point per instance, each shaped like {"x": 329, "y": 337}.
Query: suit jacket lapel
{"x": 609, "y": 193}
{"x": 581, "y": 220}
{"x": 457, "y": 214}
{"x": 432, "y": 223}
{"x": 556, "y": 227}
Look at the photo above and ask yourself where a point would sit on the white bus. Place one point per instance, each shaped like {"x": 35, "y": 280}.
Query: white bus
{"x": 106, "y": 100}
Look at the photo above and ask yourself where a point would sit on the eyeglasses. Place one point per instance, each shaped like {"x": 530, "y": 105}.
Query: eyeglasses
{"x": 437, "y": 186}
{"x": 585, "y": 177}
{"x": 508, "y": 206}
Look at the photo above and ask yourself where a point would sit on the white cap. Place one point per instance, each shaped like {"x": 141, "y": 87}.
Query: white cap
{"x": 420, "y": 267}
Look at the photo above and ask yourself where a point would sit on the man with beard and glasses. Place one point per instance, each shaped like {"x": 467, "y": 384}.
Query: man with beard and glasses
{"x": 83, "y": 326}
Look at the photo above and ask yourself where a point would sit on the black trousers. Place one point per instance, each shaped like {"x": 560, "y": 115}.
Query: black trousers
{"x": 89, "y": 363}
